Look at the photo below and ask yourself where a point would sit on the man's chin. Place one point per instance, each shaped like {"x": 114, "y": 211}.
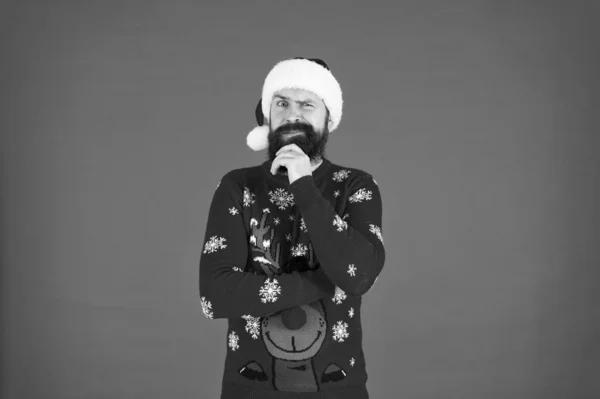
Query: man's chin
{"x": 298, "y": 139}
{"x": 283, "y": 144}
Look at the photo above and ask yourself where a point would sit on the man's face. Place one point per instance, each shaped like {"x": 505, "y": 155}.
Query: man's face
{"x": 298, "y": 117}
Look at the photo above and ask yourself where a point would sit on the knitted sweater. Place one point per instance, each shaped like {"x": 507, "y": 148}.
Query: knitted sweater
{"x": 287, "y": 265}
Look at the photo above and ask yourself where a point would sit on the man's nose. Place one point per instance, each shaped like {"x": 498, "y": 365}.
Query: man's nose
{"x": 293, "y": 115}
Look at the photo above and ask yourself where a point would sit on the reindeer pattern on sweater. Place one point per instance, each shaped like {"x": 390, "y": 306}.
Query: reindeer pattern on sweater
{"x": 287, "y": 265}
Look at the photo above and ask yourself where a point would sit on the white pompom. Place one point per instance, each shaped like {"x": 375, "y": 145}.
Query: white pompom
{"x": 258, "y": 138}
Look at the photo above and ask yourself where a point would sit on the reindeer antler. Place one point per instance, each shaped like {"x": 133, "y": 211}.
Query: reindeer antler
{"x": 263, "y": 246}
{"x": 312, "y": 259}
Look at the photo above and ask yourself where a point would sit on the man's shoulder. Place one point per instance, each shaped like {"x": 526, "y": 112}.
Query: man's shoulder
{"x": 240, "y": 174}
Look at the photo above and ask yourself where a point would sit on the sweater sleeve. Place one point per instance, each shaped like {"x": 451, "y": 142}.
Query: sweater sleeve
{"x": 350, "y": 247}
{"x": 226, "y": 290}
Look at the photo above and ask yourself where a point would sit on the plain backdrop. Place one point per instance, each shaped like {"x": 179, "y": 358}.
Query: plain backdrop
{"x": 478, "y": 119}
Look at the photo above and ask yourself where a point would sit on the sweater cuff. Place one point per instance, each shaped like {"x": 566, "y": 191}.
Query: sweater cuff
{"x": 305, "y": 192}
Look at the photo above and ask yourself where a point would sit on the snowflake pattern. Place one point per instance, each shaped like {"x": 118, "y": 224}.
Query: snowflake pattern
{"x": 233, "y": 211}
{"x": 336, "y": 193}
{"x": 291, "y": 218}
{"x": 352, "y": 361}
{"x": 352, "y": 270}
{"x": 351, "y": 312}
{"x": 276, "y": 221}
{"x": 234, "y": 341}
{"x": 252, "y": 325}
{"x": 339, "y": 296}
{"x": 206, "y": 307}
{"x": 340, "y": 175}
{"x": 288, "y": 237}
{"x": 377, "y": 231}
{"x": 340, "y": 223}
{"x": 281, "y": 198}
{"x": 299, "y": 250}
{"x": 269, "y": 291}
{"x": 253, "y": 222}
{"x": 347, "y": 215}
{"x": 252, "y": 239}
{"x": 214, "y": 244}
{"x": 340, "y": 331}
{"x": 266, "y": 210}
{"x": 303, "y": 225}
{"x": 249, "y": 197}
{"x": 361, "y": 195}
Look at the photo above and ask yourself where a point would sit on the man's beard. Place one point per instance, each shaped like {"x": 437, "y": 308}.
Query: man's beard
{"x": 310, "y": 142}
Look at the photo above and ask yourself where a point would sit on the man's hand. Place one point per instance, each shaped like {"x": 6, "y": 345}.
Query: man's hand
{"x": 294, "y": 159}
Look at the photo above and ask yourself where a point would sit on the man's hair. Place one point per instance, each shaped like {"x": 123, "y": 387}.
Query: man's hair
{"x": 317, "y": 60}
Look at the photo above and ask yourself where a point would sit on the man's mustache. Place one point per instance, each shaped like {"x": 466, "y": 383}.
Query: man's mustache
{"x": 296, "y": 126}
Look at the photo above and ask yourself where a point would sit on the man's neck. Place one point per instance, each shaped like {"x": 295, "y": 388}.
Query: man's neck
{"x": 314, "y": 164}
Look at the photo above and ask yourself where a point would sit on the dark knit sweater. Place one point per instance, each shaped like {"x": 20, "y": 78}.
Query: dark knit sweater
{"x": 287, "y": 266}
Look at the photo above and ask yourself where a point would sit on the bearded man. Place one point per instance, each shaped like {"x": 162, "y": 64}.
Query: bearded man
{"x": 290, "y": 248}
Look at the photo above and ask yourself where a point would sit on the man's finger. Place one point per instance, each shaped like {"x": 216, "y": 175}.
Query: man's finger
{"x": 293, "y": 147}
{"x": 284, "y": 159}
{"x": 288, "y": 155}
{"x": 277, "y": 163}
{"x": 290, "y": 148}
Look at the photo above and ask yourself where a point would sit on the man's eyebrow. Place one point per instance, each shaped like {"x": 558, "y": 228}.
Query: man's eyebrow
{"x": 298, "y": 101}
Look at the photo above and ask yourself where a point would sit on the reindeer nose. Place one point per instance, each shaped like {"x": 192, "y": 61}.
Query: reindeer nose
{"x": 293, "y": 318}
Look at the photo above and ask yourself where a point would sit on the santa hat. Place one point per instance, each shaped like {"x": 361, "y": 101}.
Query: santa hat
{"x": 300, "y": 73}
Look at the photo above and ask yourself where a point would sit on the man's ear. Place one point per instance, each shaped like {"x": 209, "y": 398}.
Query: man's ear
{"x": 259, "y": 114}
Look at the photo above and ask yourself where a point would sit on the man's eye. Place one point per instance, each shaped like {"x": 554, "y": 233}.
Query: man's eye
{"x": 308, "y": 105}
{"x": 281, "y": 103}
